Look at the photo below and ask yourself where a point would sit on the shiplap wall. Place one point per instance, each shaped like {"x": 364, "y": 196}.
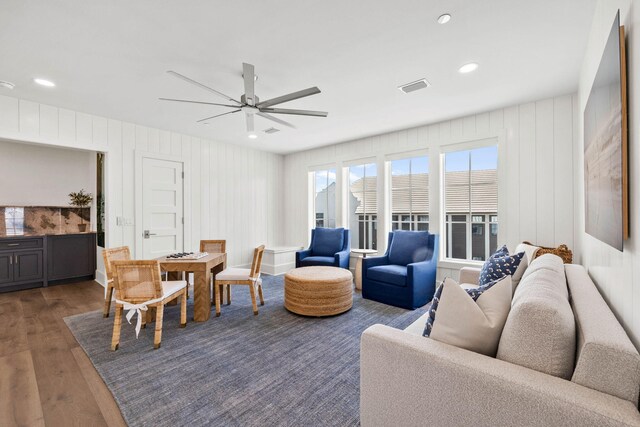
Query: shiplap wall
{"x": 535, "y": 162}
{"x": 617, "y": 274}
{"x": 235, "y": 193}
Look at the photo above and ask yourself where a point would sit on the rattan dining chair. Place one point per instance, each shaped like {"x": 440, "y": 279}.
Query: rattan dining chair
{"x": 108, "y": 255}
{"x": 216, "y": 246}
{"x": 242, "y": 276}
{"x": 138, "y": 287}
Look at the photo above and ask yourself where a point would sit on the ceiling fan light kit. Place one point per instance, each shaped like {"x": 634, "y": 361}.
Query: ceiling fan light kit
{"x": 249, "y": 102}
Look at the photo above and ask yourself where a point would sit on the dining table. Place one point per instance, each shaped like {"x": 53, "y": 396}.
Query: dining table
{"x": 202, "y": 269}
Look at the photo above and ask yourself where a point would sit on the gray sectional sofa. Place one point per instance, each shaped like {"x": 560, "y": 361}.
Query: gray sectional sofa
{"x": 553, "y": 367}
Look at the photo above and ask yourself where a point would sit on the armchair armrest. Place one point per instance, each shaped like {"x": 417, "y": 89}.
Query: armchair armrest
{"x": 469, "y": 275}
{"x": 373, "y": 262}
{"x": 342, "y": 258}
{"x": 421, "y": 271}
{"x": 409, "y": 380}
{"x": 300, "y": 255}
{"x": 421, "y": 280}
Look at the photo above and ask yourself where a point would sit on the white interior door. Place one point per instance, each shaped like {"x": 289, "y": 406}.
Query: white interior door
{"x": 162, "y": 207}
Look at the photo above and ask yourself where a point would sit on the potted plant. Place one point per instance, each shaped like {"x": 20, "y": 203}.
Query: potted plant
{"x": 81, "y": 200}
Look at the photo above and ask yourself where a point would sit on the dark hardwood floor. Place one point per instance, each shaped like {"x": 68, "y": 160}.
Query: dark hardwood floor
{"x": 45, "y": 376}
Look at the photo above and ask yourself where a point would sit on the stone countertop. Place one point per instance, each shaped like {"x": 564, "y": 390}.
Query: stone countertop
{"x": 38, "y": 234}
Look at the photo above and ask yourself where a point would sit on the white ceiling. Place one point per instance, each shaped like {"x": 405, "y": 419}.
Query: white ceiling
{"x": 109, "y": 58}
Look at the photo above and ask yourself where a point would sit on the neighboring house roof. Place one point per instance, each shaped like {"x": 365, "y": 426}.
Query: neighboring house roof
{"x": 484, "y": 192}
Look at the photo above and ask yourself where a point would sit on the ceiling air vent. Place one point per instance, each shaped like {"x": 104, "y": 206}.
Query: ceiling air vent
{"x": 413, "y": 86}
{"x": 271, "y": 130}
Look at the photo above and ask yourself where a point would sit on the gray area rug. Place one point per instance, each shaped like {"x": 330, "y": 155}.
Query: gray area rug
{"x": 276, "y": 368}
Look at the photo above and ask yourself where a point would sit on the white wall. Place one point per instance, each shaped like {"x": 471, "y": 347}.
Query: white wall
{"x": 48, "y": 173}
{"x": 536, "y": 170}
{"x": 235, "y": 193}
{"x": 616, "y": 273}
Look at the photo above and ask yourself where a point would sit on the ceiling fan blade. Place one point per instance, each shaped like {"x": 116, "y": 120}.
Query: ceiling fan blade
{"x": 290, "y": 97}
{"x": 217, "y": 115}
{"x": 248, "y": 72}
{"x": 200, "y": 85}
{"x": 249, "y": 118}
{"x": 275, "y": 119}
{"x": 197, "y": 102}
{"x": 296, "y": 112}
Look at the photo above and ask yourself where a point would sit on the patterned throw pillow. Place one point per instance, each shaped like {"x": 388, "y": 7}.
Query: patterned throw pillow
{"x": 470, "y": 318}
{"x": 500, "y": 252}
{"x": 499, "y": 265}
{"x": 474, "y": 293}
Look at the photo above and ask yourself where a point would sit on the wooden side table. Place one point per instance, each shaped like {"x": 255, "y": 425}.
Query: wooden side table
{"x": 364, "y": 253}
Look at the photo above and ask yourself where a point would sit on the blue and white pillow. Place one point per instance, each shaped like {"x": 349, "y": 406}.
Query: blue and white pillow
{"x": 499, "y": 265}
{"x": 432, "y": 311}
{"x": 473, "y": 293}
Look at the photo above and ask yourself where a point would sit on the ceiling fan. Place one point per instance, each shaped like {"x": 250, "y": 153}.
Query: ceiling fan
{"x": 249, "y": 103}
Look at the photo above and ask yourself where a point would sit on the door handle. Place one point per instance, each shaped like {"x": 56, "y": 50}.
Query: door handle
{"x": 13, "y": 244}
{"x": 146, "y": 234}
{"x": 10, "y": 259}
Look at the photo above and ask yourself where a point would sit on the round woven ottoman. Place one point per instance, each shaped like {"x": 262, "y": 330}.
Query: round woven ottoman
{"x": 318, "y": 291}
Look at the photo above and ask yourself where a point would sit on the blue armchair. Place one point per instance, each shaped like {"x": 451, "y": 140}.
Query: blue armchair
{"x": 329, "y": 247}
{"x": 406, "y": 275}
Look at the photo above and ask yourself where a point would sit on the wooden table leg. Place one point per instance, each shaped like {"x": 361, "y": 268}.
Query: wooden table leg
{"x": 201, "y": 295}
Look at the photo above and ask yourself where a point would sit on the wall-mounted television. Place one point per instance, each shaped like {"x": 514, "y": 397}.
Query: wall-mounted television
{"x": 605, "y": 146}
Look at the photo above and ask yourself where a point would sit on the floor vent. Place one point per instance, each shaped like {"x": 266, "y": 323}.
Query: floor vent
{"x": 413, "y": 86}
{"x": 271, "y": 130}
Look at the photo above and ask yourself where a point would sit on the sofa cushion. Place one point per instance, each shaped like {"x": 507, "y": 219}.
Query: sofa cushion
{"x": 317, "y": 260}
{"x": 498, "y": 266}
{"x": 548, "y": 266}
{"x": 327, "y": 241}
{"x": 529, "y": 254}
{"x": 606, "y": 361}
{"x": 408, "y": 247}
{"x": 471, "y": 319}
{"x": 417, "y": 327}
{"x": 540, "y": 331}
{"x": 390, "y": 273}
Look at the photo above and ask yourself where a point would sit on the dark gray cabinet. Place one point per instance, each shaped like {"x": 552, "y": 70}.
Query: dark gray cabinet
{"x": 28, "y": 266}
{"x": 27, "y": 262}
{"x": 71, "y": 256}
{"x": 6, "y": 268}
{"x": 21, "y": 263}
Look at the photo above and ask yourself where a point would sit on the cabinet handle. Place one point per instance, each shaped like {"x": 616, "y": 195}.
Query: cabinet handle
{"x": 13, "y": 244}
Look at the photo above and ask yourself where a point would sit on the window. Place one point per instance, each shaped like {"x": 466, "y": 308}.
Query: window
{"x": 471, "y": 203}
{"x": 325, "y": 198}
{"x": 363, "y": 206}
{"x": 410, "y": 194}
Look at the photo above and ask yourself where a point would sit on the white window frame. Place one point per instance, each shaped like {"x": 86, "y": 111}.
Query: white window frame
{"x": 311, "y": 186}
{"x": 346, "y": 191}
{"x": 313, "y": 196}
{"x": 498, "y": 141}
{"x": 389, "y": 177}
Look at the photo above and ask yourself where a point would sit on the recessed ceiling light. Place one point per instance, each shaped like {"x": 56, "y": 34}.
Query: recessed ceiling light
{"x": 44, "y": 82}
{"x": 444, "y": 18}
{"x": 7, "y": 85}
{"x": 253, "y": 136}
{"x": 467, "y": 68}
